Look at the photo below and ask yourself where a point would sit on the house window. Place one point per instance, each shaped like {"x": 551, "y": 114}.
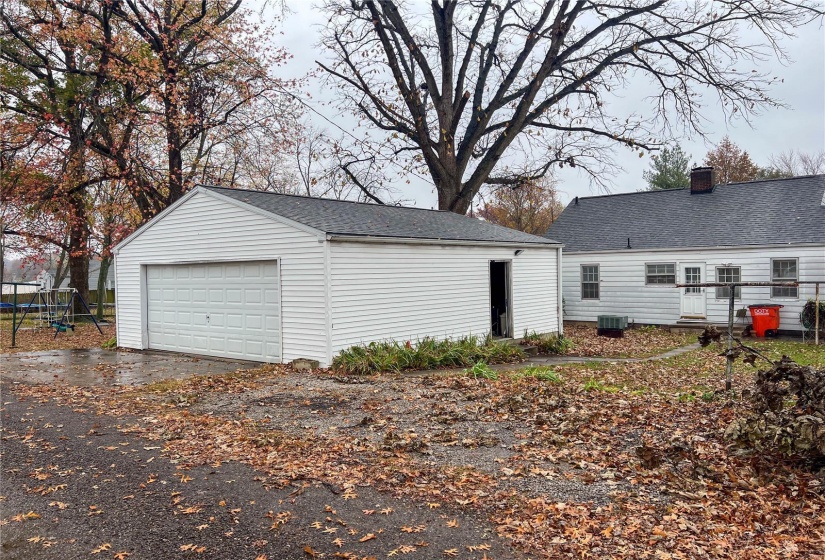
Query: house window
{"x": 590, "y": 281}
{"x": 784, "y": 270}
{"x": 728, "y": 274}
{"x": 660, "y": 273}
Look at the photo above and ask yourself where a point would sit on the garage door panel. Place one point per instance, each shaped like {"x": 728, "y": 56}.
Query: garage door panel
{"x": 254, "y": 322}
{"x": 224, "y": 309}
{"x": 271, "y": 297}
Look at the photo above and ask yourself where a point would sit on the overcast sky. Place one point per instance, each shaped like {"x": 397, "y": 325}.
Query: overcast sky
{"x": 800, "y": 126}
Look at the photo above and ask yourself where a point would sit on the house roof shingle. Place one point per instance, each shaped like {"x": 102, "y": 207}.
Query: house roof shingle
{"x": 779, "y": 211}
{"x": 339, "y": 217}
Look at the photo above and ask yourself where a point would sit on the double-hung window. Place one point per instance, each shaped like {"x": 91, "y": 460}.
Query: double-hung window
{"x": 590, "y": 281}
{"x": 784, "y": 270}
{"x": 728, "y": 274}
{"x": 660, "y": 273}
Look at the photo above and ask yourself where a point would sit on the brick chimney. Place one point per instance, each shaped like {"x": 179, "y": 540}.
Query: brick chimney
{"x": 701, "y": 180}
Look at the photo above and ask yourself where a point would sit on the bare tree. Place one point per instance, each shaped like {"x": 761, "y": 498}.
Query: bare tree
{"x": 792, "y": 163}
{"x": 460, "y": 86}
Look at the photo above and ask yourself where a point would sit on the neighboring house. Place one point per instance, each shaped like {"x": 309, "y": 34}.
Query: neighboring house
{"x": 94, "y": 273}
{"x": 271, "y": 277}
{"x": 624, "y": 253}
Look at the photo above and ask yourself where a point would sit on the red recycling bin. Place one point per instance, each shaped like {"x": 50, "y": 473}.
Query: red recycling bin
{"x": 765, "y": 319}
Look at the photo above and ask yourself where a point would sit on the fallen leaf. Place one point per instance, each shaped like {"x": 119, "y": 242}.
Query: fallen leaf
{"x": 102, "y": 548}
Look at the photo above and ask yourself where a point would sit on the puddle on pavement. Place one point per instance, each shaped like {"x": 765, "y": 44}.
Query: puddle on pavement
{"x": 87, "y": 367}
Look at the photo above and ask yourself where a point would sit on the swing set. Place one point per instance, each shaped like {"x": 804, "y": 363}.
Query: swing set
{"x": 49, "y": 307}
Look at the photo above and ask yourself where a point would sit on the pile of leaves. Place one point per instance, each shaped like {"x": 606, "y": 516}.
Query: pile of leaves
{"x": 552, "y": 343}
{"x": 427, "y": 353}
{"x": 788, "y": 411}
{"x": 640, "y": 342}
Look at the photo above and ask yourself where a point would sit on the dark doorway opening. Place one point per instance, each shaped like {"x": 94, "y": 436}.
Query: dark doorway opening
{"x": 500, "y": 315}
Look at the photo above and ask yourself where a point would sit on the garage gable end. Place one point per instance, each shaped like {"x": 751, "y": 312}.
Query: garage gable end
{"x": 200, "y": 191}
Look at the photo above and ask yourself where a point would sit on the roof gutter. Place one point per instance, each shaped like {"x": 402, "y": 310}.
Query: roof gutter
{"x": 706, "y": 248}
{"x": 456, "y": 242}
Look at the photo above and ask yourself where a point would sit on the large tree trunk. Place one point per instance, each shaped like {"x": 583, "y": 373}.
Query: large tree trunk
{"x": 174, "y": 140}
{"x": 79, "y": 253}
{"x": 61, "y": 269}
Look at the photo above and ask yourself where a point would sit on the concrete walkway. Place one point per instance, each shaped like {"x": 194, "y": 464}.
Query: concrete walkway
{"x": 547, "y": 360}
{"x": 554, "y": 360}
{"x": 96, "y": 366}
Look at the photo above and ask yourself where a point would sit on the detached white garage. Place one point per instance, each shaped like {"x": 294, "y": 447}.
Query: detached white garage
{"x": 271, "y": 278}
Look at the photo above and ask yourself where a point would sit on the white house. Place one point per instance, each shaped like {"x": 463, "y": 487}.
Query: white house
{"x": 270, "y": 277}
{"x": 624, "y": 253}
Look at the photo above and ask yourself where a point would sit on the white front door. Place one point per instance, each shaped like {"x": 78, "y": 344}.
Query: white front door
{"x": 693, "y": 298}
{"x": 230, "y": 309}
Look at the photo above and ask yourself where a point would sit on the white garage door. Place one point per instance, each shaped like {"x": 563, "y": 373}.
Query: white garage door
{"x": 230, "y": 310}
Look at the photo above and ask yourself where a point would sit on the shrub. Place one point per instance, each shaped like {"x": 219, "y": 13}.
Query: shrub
{"x": 110, "y": 344}
{"x": 429, "y": 353}
{"x": 787, "y": 411}
{"x": 551, "y": 343}
{"x": 808, "y": 315}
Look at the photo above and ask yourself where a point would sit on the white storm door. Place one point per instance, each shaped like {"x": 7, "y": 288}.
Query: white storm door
{"x": 227, "y": 309}
{"x": 694, "y": 304}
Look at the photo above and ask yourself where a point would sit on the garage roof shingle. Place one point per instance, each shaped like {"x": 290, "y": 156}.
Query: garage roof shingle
{"x": 779, "y": 211}
{"x": 340, "y": 217}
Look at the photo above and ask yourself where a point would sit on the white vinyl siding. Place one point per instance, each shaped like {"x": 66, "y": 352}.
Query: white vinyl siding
{"x": 784, "y": 270}
{"x": 205, "y": 229}
{"x": 624, "y": 291}
{"x": 384, "y": 291}
{"x": 728, "y": 274}
{"x": 590, "y": 281}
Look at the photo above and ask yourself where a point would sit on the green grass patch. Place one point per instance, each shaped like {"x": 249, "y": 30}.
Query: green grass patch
{"x": 428, "y": 353}
{"x": 597, "y": 385}
{"x": 803, "y": 353}
{"x": 542, "y": 373}
{"x": 548, "y": 343}
{"x": 480, "y": 369}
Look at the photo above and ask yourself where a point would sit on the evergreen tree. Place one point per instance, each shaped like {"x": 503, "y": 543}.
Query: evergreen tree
{"x": 670, "y": 169}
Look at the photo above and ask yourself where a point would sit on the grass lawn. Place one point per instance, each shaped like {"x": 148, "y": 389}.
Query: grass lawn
{"x": 602, "y": 460}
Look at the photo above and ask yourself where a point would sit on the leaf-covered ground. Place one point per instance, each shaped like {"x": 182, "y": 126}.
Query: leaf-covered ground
{"x": 639, "y": 342}
{"x": 29, "y": 339}
{"x": 616, "y": 460}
